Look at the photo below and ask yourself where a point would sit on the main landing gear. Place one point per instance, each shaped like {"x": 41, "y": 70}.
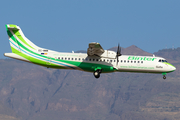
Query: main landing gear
{"x": 97, "y": 73}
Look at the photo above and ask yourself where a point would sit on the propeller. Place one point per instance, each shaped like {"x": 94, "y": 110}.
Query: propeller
{"x": 118, "y": 53}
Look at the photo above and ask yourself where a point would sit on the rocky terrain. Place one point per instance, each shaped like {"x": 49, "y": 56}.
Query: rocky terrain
{"x": 31, "y": 92}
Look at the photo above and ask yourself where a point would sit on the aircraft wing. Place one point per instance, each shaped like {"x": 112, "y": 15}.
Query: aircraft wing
{"x": 95, "y": 49}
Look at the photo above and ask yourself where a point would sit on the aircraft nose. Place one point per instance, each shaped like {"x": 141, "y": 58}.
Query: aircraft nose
{"x": 171, "y": 67}
{"x": 174, "y": 68}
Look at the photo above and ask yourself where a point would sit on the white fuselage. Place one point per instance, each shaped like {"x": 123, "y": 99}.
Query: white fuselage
{"x": 126, "y": 63}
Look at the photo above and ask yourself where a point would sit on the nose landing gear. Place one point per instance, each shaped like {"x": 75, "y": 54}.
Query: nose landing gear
{"x": 164, "y": 75}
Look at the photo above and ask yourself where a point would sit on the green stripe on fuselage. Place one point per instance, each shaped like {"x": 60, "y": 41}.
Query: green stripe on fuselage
{"x": 83, "y": 65}
{"x": 37, "y": 61}
{"x": 90, "y": 66}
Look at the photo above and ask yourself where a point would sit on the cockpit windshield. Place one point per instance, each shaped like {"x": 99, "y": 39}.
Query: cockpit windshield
{"x": 162, "y": 60}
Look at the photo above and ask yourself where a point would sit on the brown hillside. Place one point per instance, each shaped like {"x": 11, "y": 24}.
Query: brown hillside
{"x": 132, "y": 50}
{"x": 37, "y": 93}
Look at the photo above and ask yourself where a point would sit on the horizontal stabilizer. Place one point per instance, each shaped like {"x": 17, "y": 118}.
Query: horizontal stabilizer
{"x": 15, "y": 56}
{"x": 13, "y": 27}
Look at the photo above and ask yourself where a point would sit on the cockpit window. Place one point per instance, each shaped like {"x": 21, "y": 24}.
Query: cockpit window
{"x": 162, "y": 60}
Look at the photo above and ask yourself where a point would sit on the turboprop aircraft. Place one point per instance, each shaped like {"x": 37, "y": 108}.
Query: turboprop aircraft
{"x": 97, "y": 60}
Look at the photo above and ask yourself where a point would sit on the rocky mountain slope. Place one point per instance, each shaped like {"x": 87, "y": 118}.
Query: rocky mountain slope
{"x": 31, "y": 92}
{"x": 132, "y": 50}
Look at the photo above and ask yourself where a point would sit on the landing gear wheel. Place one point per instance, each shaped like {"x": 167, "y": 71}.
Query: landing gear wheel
{"x": 164, "y": 77}
{"x": 96, "y": 74}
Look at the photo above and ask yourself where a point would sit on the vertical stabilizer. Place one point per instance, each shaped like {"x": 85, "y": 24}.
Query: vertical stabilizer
{"x": 17, "y": 40}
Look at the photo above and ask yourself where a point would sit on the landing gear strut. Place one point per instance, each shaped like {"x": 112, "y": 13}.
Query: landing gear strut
{"x": 97, "y": 73}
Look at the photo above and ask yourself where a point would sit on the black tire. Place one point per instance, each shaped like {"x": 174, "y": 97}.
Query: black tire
{"x": 164, "y": 77}
{"x": 96, "y": 74}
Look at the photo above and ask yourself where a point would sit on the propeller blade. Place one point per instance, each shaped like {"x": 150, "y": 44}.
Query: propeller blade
{"x": 118, "y": 53}
{"x": 117, "y": 60}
